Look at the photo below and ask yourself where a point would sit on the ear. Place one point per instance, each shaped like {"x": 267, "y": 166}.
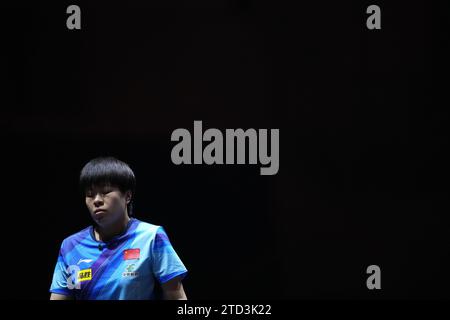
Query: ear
{"x": 128, "y": 196}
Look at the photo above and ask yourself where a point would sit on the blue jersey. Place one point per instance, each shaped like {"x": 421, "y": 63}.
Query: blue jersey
{"x": 126, "y": 267}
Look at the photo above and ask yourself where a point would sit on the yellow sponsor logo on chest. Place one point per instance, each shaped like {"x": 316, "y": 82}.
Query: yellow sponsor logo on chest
{"x": 84, "y": 275}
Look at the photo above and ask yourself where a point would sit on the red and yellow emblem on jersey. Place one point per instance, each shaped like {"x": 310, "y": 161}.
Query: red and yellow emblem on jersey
{"x": 131, "y": 254}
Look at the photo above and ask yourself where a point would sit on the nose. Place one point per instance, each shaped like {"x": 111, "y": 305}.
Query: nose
{"x": 98, "y": 200}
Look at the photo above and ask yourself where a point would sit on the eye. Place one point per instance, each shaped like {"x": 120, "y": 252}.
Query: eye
{"x": 89, "y": 193}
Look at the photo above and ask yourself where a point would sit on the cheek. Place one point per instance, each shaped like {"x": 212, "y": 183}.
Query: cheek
{"x": 121, "y": 202}
{"x": 88, "y": 203}
{"x": 115, "y": 202}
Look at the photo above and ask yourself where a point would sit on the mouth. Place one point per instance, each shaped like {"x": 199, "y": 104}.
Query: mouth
{"x": 99, "y": 211}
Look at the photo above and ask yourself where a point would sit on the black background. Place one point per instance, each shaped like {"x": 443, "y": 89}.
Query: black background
{"x": 363, "y": 148}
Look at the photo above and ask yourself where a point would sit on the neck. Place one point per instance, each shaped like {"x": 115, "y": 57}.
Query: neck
{"x": 106, "y": 233}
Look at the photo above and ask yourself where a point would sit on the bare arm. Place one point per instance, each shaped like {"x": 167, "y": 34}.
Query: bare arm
{"x": 173, "y": 289}
{"x": 56, "y": 296}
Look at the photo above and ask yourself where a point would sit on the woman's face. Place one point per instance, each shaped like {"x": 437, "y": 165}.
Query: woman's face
{"x": 107, "y": 204}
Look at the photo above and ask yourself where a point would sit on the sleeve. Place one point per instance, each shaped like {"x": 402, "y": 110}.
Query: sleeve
{"x": 60, "y": 276}
{"x": 166, "y": 264}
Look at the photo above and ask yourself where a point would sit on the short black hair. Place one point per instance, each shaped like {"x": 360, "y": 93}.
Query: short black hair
{"x": 108, "y": 171}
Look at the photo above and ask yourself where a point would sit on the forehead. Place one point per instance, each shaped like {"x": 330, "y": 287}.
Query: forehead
{"x": 101, "y": 186}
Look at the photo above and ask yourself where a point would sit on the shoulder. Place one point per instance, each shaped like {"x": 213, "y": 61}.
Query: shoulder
{"x": 76, "y": 238}
{"x": 149, "y": 229}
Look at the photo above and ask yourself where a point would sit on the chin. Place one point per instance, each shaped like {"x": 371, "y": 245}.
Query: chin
{"x": 99, "y": 220}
